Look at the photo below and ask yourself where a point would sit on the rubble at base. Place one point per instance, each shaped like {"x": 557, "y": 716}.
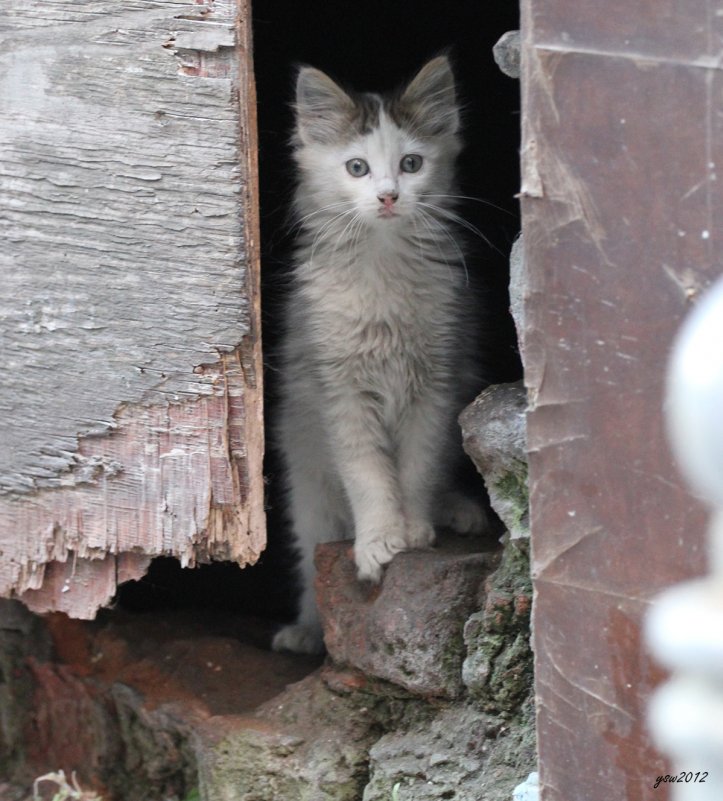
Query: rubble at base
{"x": 426, "y": 693}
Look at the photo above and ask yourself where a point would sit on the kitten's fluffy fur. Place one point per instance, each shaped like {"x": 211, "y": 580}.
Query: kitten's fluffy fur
{"x": 375, "y": 360}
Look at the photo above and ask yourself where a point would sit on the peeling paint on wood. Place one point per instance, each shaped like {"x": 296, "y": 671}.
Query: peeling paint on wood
{"x": 130, "y": 410}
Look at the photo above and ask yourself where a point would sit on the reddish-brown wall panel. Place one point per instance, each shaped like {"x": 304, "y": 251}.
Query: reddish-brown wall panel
{"x": 621, "y": 142}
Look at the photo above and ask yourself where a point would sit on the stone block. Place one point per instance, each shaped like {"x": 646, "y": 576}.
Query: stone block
{"x": 431, "y": 759}
{"x": 456, "y": 752}
{"x": 506, "y": 53}
{"x": 307, "y": 744}
{"x": 494, "y": 436}
{"x": 518, "y": 289}
{"x": 497, "y": 669}
{"x": 409, "y": 629}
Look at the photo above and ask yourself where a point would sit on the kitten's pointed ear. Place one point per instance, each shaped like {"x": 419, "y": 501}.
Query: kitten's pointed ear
{"x": 323, "y": 109}
{"x": 430, "y": 100}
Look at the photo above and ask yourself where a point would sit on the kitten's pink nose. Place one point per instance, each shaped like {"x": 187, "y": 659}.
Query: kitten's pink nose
{"x": 388, "y": 199}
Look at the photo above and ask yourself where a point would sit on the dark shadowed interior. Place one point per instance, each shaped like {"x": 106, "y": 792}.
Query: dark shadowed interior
{"x": 370, "y": 46}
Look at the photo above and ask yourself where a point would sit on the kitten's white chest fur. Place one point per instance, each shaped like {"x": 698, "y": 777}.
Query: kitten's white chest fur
{"x": 378, "y": 327}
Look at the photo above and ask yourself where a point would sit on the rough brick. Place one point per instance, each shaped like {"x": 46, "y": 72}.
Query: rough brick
{"x": 408, "y": 630}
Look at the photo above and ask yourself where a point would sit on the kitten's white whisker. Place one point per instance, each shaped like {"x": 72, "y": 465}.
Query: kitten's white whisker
{"x": 450, "y": 215}
{"x": 417, "y": 238}
{"x": 443, "y": 228}
{"x": 322, "y": 233}
{"x": 348, "y": 227}
{"x": 426, "y": 220}
{"x": 301, "y": 222}
{"x": 357, "y": 231}
{"x": 469, "y": 197}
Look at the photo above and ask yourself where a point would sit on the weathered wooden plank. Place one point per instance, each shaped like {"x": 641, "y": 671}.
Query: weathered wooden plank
{"x": 130, "y": 406}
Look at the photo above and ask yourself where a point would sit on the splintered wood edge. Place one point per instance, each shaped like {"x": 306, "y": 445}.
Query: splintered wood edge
{"x": 191, "y": 486}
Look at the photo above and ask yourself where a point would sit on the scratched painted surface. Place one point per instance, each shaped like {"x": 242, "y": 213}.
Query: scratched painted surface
{"x": 622, "y": 140}
{"x": 130, "y": 403}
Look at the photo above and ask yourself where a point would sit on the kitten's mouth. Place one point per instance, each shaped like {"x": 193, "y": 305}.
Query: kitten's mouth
{"x": 387, "y": 211}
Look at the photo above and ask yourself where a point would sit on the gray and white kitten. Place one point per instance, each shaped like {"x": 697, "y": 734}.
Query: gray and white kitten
{"x": 375, "y": 356}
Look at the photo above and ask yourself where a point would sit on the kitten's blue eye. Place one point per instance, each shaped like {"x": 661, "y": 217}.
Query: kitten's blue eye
{"x": 357, "y": 167}
{"x": 411, "y": 163}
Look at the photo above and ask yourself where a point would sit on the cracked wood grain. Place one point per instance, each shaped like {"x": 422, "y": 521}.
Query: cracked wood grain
{"x": 130, "y": 410}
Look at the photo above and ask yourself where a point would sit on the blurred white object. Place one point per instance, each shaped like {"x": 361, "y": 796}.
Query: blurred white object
{"x": 695, "y": 397}
{"x": 529, "y": 790}
{"x": 684, "y": 628}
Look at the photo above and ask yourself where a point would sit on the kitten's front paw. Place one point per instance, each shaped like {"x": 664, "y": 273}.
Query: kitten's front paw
{"x": 420, "y": 534}
{"x": 372, "y": 553}
{"x": 300, "y": 638}
{"x": 462, "y": 514}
